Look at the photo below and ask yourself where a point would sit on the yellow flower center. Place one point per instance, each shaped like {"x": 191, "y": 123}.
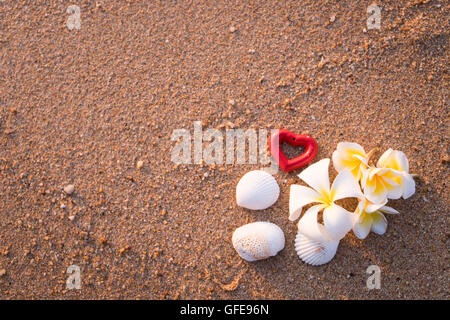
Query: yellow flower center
{"x": 325, "y": 198}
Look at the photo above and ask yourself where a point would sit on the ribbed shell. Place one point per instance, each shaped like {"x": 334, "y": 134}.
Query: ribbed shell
{"x": 258, "y": 240}
{"x": 257, "y": 190}
{"x": 314, "y": 252}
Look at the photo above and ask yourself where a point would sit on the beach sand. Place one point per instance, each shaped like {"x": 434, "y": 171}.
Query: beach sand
{"x": 83, "y": 106}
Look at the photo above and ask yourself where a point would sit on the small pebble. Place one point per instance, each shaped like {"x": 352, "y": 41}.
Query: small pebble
{"x": 232, "y": 29}
{"x": 71, "y": 218}
{"x": 232, "y": 102}
{"x": 69, "y": 189}
{"x": 124, "y": 249}
{"x": 62, "y": 206}
{"x": 333, "y": 18}
{"x": 140, "y": 164}
{"x": 2, "y": 272}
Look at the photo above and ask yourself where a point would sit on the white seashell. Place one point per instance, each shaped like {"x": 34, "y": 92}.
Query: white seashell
{"x": 257, "y": 190}
{"x": 258, "y": 240}
{"x": 314, "y": 252}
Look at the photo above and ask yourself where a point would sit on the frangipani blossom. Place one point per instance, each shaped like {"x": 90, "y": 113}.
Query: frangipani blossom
{"x": 351, "y": 156}
{"x": 380, "y": 184}
{"x": 397, "y": 160}
{"x": 337, "y": 220}
{"x": 369, "y": 217}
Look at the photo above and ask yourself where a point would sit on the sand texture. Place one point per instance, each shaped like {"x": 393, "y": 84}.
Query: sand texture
{"x": 82, "y": 107}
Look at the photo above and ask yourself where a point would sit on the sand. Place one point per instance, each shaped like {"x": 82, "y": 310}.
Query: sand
{"x": 82, "y": 107}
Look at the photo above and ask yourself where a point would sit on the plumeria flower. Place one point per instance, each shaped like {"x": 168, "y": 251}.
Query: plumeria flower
{"x": 369, "y": 217}
{"x": 380, "y": 184}
{"x": 351, "y": 156}
{"x": 397, "y": 160}
{"x": 337, "y": 220}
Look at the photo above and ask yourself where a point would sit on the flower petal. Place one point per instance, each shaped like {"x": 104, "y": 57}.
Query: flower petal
{"x": 299, "y": 197}
{"x": 379, "y": 224}
{"x": 389, "y": 210}
{"x": 338, "y": 221}
{"x": 360, "y": 208}
{"x": 360, "y": 158}
{"x": 345, "y": 186}
{"x": 379, "y": 171}
{"x": 316, "y": 176}
{"x": 375, "y": 192}
{"x": 356, "y": 216}
{"x": 362, "y": 228}
{"x": 382, "y": 183}
{"x": 394, "y": 159}
{"x": 372, "y": 207}
{"x": 309, "y": 227}
{"x": 401, "y": 161}
{"x": 395, "y": 190}
{"x": 383, "y": 161}
{"x": 351, "y": 156}
{"x": 409, "y": 185}
{"x": 364, "y": 178}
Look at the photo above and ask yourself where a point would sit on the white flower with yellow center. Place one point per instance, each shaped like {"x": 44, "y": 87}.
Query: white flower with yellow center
{"x": 369, "y": 217}
{"x": 351, "y": 156}
{"x": 380, "y": 184}
{"x": 337, "y": 220}
{"x": 397, "y": 160}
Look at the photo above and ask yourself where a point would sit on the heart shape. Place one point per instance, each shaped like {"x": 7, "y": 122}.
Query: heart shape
{"x": 283, "y": 135}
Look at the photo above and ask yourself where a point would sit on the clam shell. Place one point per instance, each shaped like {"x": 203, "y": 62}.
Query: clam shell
{"x": 258, "y": 240}
{"x": 314, "y": 252}
{"x": 257, "y": 190}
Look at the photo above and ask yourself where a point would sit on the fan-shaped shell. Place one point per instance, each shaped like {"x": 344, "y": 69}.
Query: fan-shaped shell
{"x": 258, "y": 240}
{"x": 314, "y": 252}
{"x": 257, "y": 190}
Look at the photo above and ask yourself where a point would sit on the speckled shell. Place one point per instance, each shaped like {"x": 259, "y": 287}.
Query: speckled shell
{"x": 257, "y": 190}
{"x": 258, "y": 240}
{"x": 314, "y": 252}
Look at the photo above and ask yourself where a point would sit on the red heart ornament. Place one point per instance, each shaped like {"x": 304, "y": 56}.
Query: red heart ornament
{"x": 287, "y": 165}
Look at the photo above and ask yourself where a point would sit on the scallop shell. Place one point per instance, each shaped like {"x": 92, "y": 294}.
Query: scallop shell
{"x": 257, "y": 190}
{"x": 314, "y": 252}
{"x": 258, "y": 240}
